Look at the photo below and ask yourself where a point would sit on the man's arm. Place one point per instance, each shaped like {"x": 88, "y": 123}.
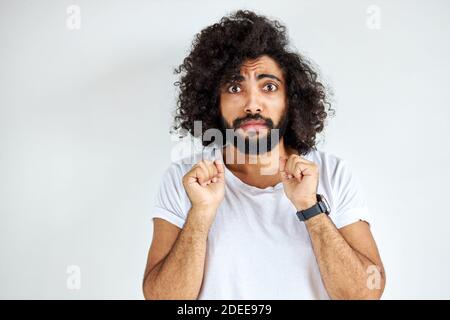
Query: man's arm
{"x": 179, "y": 275}
{"x": 347, "y": 258}
{"x": 177, "y": 258}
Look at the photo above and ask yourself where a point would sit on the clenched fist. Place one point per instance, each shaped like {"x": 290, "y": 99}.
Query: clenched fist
{"x": 300, "y": 180}
{"x": 205, "y": 184}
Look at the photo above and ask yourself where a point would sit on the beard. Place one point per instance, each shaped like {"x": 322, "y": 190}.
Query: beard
{"x": 255, "y": 143}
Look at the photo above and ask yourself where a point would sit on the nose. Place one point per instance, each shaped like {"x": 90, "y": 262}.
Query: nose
{"x": 253, "y": 104}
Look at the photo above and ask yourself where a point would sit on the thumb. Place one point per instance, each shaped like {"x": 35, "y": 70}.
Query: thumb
{"x": 282, "y": 167}
{"x": 220, "y": 169}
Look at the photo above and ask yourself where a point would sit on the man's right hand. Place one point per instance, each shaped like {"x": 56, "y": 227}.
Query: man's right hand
{"x": 205, "y": 184}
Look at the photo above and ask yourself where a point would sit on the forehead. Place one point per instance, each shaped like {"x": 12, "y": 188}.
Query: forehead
{"x": 263, "y": 64}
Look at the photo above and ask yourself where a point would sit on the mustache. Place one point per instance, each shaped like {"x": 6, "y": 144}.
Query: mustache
{"x": 237, "y": 122}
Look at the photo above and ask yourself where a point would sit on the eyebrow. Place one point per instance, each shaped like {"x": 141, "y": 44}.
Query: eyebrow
{"x": 239, "y": 77}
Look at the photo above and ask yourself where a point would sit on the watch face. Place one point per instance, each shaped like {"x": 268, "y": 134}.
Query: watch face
{"x": 324, "y": 200}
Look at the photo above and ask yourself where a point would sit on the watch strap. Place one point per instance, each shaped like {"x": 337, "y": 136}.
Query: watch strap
{"x": 318, "y": 208}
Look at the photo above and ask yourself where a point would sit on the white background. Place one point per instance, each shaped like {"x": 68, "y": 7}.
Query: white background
{"x": 84, "y": 132}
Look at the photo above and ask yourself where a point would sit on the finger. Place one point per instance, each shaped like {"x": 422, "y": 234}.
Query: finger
{"x": 203, "y": 177}
{"x": 212, "y": 168}
{"x": 290, "y": 164}
{"x": 299, "y": 167}
{"x": 212, "y": 171}
{"x": 219, "y": 166}
{"x": 197, "y": 175}
{"x": 194, "y": 172}
{"x": 282, "y": 168}
{"x": 220, "y": 170}
{"x": 310, "y": 169}
{"x": 306, "y": 169}
{"x": 303, "y": 160}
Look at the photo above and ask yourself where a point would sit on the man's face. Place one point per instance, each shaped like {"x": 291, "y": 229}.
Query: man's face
{"x": 254, "y": 103}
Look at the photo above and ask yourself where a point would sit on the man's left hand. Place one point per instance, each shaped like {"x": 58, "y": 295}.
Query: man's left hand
{"x": 300, "y": 180}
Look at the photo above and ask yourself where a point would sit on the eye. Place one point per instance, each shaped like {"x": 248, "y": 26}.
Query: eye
{"x": 270, "y": 87}
{"x": 234, "y": 88}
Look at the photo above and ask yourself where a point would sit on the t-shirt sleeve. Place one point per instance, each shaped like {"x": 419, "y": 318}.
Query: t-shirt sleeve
{"x": 350, "y": 204}
{"x": 172, "y": 203}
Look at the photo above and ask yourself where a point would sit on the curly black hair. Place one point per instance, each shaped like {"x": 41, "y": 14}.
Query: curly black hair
{"x": 217, "y": 53}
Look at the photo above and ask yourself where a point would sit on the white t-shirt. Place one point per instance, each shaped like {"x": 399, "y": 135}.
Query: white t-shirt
{"x": 257, "y": 248}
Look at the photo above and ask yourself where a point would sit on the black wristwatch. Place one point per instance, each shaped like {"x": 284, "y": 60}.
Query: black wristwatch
{"x": 320, "y": 207}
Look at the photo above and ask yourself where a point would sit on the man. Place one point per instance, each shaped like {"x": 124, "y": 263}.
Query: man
{"x": 259, "y": 228}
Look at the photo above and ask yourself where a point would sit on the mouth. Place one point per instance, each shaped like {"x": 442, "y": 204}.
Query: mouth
{"x": 253, "y": 125}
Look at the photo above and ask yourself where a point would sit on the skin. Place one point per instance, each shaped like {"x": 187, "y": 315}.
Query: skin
{"x": 176, "y": 257}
